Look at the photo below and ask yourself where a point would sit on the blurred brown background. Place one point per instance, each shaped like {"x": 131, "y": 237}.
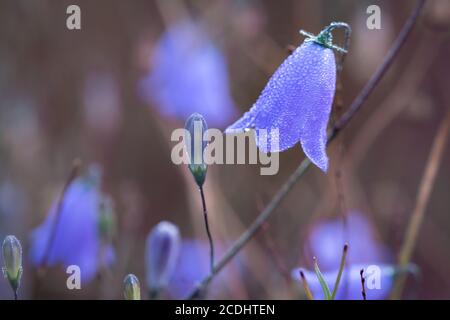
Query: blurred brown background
{"x": 45, "y": 124}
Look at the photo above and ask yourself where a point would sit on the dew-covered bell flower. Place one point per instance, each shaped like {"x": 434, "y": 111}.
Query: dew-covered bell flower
{"x": 162, "y": 249}
{"x": 132, "y": 288}
{"x": 189, "y": 74}
{"x": 296, "y": 103}
{"x": 195, "y": 145}
{"x": 12, "y": 259}
{"x": 76, "y": 238}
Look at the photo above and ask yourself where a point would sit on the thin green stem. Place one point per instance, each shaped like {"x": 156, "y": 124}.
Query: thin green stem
{"x": 208, "y": 232}
{"x": 341, "y": 269}
{"x": 323, "y": 283}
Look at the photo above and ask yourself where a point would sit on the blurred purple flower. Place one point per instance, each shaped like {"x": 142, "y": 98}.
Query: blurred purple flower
{"x": 192, "y": 266}
{"x": 350, "y": 285}
{"x": 295, "y": 104}
{"x": 189, "y": 74}
{"x": 327, "y": 238}
{"x": 326, "y": 242}
{"x": 162, "y": 249}
{"x": 76, "y": 240}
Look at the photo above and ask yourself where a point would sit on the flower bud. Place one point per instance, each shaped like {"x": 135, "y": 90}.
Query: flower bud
{"x": 132, "y": 288}
{"x": 12, "y": 258}
{"x": 195, "y": 145}
{"x": 162, "y": 248}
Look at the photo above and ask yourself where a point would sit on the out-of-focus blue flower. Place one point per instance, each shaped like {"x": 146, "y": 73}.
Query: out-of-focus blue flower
{"x": 350, "y": 286}
{"x": 326, "y": 241}
{"x": 77, "y": 239}
{"x": 193, "y": 265}
{"x": 189, "y": 74}
{"x": 295, "y": 105}
{"x": 162, "y": 249}
{"x": 327, "y": 238}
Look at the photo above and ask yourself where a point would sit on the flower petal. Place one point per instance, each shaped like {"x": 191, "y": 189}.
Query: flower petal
{"x": 297, "y": 102}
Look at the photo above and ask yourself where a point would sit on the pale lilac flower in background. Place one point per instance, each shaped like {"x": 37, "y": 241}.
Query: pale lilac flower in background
{"x": 327, "y": 238}
{"x": 350, "y": 286}
{"x": 189, "y": 74}
{"x": 77, "y": 239}
{"x": 161, "y": 254}
{"x": 193, "y": 265}
{"x": 297, "y": 101}
{"x": 326, "y": 241}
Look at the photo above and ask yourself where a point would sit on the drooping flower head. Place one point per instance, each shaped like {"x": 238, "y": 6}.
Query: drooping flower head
{"x": 162, "y": 249}
{"x": 296, "y": 103}
{"x": 326, "y": 241}
{"x": 189, "y": 74}
{"x": 75, "y": 239}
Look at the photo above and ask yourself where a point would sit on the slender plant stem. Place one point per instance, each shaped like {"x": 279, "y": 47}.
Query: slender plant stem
{"x": 308, "y": 292}
{"x": 417, "y": 216}
{"x": 341, "y": 269}
{"x": 208, "y": 231}
{"x": 383, "y": 68}
{"x": 363, "y": 284}
{"x": 304, "y": 165}
{"x": 15, "y": 295}
{"x": 73, "y": 174}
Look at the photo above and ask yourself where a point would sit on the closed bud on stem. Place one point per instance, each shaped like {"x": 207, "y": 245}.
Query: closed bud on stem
{"x": 132, "y": 288}
{"x": 12, "y": 257}
{"x": 195, "y": 145}
{"x": 162, "y": 249}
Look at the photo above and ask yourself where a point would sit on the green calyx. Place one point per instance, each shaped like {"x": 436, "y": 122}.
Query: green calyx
{"x": 199, "y": 172}
{"x": 325, "y": 37}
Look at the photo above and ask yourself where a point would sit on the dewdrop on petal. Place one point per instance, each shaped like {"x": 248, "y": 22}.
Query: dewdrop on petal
{"x": 132, "y": 287}
{"x": 162, "y": 249}
{"x": 195, "y": 146}
{"x": 12, "y": 258}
